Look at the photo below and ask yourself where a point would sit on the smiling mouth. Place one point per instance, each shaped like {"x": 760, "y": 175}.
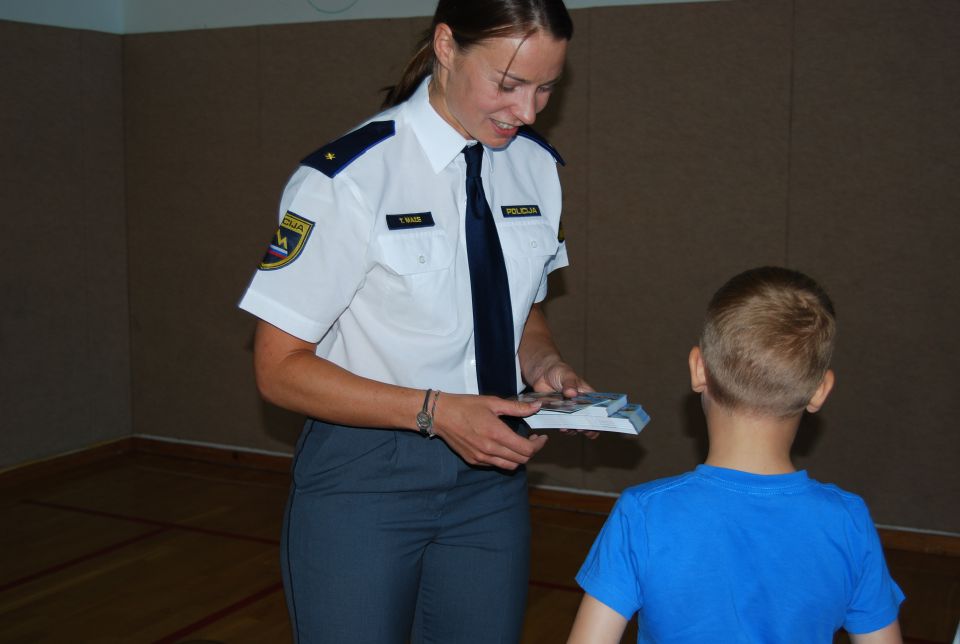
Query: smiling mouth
{"x": 504, "y": 126}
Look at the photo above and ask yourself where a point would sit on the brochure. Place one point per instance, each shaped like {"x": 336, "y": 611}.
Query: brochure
{"x": 605, "y": 412}
{"x": 588, "y": 403}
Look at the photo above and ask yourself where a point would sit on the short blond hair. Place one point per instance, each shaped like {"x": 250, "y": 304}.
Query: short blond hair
{"x": 767, "y": 341}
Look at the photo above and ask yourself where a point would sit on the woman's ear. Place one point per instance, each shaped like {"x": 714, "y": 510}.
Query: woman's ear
{"x": 820, "y": 395}
{"x": 444, "y": 45}
{"x": 698, "y": 374}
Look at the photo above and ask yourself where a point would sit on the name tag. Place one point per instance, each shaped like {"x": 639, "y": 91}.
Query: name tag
{"x": 411, "y": 220}
{"x": 520, "y": 211}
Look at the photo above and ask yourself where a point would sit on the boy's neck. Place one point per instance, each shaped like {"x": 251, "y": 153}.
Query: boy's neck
{"x": 750, "y": 442}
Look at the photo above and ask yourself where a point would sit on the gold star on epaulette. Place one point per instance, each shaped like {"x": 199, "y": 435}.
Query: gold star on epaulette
{"x": 330, "y": 156}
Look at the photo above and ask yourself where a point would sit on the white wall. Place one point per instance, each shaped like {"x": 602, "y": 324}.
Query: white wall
{"x": 142, "y": 16}
{"x": 96, "y": 15}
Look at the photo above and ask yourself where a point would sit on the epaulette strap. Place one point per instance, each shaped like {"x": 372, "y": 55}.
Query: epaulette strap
{"x": 529, "y": 133}
{"x": 335, "y": 156}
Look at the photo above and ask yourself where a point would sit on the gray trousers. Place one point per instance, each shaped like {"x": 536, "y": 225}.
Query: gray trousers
{"x": 391, "y": 538}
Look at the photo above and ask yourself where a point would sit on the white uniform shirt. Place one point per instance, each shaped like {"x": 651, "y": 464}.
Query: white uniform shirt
{"x": 386, "y": 296}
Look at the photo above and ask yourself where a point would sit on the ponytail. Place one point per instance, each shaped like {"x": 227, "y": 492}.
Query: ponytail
{"x": 418, "y": 68}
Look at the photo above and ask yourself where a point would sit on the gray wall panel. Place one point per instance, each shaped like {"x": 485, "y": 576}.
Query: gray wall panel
{"x": 104, "y": 279}
{"x": 689, "y": 106}
{"x": 874, "y": 214}
{"x": 63, "y": 324}
{"x": 192, "y": 111}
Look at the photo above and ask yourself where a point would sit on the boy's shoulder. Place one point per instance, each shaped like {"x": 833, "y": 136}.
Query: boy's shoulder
{"x": 852, "y": 504}
{"x": 698, "y": 486}
{"x": 643, "y": 492}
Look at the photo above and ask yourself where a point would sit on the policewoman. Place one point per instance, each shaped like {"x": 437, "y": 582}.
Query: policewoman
{"x": 398, "y": 306}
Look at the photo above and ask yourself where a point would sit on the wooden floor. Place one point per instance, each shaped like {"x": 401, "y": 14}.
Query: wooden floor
{"x": 146, "y": 547}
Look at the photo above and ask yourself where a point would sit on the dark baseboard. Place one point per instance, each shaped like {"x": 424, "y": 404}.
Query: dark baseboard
{"x": 212, "y": 454}
{"x": 545, "y": 498}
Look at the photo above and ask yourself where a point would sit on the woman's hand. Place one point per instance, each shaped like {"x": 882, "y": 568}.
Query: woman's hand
{"x": 472, "y": 427}
{"x": 556, "y": 375}
{"x": 543, "y": 368}
{"x": 559, "y": 376}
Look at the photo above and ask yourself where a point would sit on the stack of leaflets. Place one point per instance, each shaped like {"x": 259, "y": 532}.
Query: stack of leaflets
{"x": 588, "y": 411}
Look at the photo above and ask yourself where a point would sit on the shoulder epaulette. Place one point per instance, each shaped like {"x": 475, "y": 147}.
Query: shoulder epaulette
{"x": 529, "y": 133}
{"x": 335, "y": 156}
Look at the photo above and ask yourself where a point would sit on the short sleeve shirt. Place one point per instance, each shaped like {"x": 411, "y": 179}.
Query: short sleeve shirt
{"x": 380, "y": 278}
{"x": 719, "y": 555}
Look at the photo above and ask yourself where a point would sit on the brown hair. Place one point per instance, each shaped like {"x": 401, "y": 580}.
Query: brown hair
{"x": 767, "y": 341}
{"x": 475, "y": 21}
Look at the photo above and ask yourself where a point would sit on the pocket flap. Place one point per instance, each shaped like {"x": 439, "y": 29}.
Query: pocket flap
{"x": 408, "y": 253}
{"x": 528, "y": 239}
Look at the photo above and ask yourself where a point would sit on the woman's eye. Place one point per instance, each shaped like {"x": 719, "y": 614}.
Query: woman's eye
{"x": 545, "y": 89}
{"x": 508, "y": 88}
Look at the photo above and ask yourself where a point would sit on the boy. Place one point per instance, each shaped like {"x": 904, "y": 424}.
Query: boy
{"x": 745, "y": 548}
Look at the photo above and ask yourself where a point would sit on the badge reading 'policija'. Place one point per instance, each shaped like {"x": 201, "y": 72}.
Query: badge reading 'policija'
{"x": 286, "y": 245}
{"x": 520, "y": 211}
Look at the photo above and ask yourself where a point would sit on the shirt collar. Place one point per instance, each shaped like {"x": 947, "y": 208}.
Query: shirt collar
{"x": 440, "y": 142}
{"x": 757, "y": 483}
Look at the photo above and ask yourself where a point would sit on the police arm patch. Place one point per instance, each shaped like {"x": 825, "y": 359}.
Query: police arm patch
{"x": 287, "y": 243}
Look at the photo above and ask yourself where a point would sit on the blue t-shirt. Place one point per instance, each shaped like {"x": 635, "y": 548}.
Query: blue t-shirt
{"x": 719, "y": 555}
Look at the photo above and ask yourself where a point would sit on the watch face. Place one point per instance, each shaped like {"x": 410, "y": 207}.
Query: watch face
{"x": 424, "y": 421}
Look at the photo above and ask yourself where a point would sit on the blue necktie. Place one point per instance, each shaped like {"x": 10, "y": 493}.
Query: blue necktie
{"x": 492, "y": 313}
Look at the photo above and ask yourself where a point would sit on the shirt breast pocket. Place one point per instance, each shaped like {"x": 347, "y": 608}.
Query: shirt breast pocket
{"x": 527, "y": 249}
{"x": 419, "y": 287}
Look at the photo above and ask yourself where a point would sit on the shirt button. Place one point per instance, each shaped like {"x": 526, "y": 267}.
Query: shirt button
{"x": 533, "y": 244}
{"x": 422, "y": 259}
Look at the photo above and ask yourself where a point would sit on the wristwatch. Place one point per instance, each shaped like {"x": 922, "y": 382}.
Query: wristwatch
{"x": 425, "y": 417}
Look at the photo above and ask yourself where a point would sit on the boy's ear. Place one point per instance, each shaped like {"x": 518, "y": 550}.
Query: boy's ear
{"x": 820, "y": 395}
{"x": 698, "y": 374}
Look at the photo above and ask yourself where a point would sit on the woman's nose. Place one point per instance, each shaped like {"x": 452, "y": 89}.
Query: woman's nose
{"x": 526, "y": 108}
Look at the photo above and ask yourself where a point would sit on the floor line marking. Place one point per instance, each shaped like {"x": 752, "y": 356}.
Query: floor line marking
{"x": 160, "y": 524}
{"x": 77, "y": 560}
{"x": 220, "y": 614}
